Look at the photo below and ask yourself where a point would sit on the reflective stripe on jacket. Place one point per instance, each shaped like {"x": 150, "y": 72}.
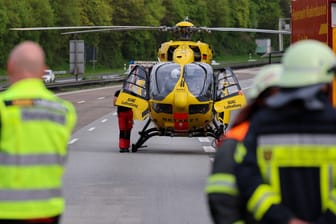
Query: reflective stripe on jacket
{"x": 35, "y": 129}
{"x": 278, "y": 151}
{"x": 288, "y": 168}
{"x": 222, "y": 179}
{"x": 225, "y": 203}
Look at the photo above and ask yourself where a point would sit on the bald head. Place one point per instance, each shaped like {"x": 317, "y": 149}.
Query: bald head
{"x": 26, "y": 60}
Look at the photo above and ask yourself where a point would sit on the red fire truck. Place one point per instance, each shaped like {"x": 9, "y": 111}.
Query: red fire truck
{"x": 315, "y": 19}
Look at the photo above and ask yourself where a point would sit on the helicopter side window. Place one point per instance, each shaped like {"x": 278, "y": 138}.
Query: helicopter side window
{"x": 227, "y": 84}
{"x": 197, "y": 53}
{"x": 136, "y": 82}
{"x": 163, "y": 80}
{"x": 170, "y": 52}
{"x": 198, "y": 77}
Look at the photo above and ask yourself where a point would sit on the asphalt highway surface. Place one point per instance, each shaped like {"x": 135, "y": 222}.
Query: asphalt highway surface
{"x": 162, "y": 183}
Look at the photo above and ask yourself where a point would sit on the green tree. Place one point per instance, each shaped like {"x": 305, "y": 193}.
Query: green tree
{"x": 220, "y": 16}
{"x": 66, "y": 13}
{"x": 4, "y": 23}
{"x": 197, "y": 11}
{"x": 21, "y": 14}
{"x": 116, "y": 48}
{"x": 44, "y": 16}
{"x": 285, "y": 8}
{"x": 269, "y": 12}
{"x": 153, "y": 14}
{"x": 95, "y": 13}
{"x": 175, "y": 11}
{"x": 240, "y": 13}
{"x": 240, "y": 42}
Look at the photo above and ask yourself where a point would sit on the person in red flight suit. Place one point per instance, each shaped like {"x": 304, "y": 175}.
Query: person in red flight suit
{"x": 125, "y": 121}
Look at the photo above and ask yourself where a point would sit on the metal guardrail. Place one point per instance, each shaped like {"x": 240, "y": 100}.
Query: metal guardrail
{"x": 250, "y": 64}
{"x": 99, "y": 81}
{"x": 73, "y": 84}
{"x": 60, "y": 72}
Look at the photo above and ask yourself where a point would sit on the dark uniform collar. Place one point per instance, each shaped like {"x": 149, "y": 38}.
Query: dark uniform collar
{"x": 307, "y": 95}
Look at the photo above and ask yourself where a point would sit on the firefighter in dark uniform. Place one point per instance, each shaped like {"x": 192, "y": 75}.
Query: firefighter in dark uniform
{"x": 287, "y": 161}
{"x": 224, "y": 202}
{"x": 125, "y": 122}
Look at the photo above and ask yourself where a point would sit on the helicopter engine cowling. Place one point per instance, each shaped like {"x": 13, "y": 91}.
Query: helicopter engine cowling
{"x": 183, "y": 54}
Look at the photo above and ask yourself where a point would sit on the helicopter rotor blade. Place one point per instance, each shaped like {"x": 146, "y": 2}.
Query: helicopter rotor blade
{"x": 176, "y": 29}
{"x": 120, "y": 28}
{"x": 252, "y": 30}
{"x": 88, "y": 27}
{"x": 58, "y": 28}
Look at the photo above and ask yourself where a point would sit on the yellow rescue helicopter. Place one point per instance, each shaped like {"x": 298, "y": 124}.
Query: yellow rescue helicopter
{"x": 181, "y": 94}
{"x": 181, "y": 99}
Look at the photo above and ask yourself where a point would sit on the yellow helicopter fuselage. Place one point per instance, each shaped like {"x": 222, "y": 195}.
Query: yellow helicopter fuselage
{"x": 183, "y": 112}
{"x": 187, "y": 112}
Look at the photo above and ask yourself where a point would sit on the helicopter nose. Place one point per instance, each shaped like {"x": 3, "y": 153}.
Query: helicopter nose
{"x": 180, "y": 101}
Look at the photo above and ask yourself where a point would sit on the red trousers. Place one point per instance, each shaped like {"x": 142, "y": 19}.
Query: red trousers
{"x": 125, "y": 121}
{"x": 51, "y": 220}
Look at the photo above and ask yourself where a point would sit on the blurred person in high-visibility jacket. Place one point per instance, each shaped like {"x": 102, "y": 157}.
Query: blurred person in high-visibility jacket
{"x": 36, "y": 126}
{"x": 286, "y": 164}
{"x": 224, "y": 202}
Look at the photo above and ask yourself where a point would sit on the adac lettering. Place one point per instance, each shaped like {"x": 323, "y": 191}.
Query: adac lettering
{"x": 130, "y": 102}
{"x": 232, "y": 105}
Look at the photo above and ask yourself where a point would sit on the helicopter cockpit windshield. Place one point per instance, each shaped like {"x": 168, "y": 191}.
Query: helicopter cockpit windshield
{"x": 199, "y": 79}
{"x": 198, "y": 76}
{"x": 163, "y": 79}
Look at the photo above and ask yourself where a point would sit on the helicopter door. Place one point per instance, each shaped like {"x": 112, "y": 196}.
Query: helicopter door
{"x": 134, "y": 93}
{"x": 229, "y": 95}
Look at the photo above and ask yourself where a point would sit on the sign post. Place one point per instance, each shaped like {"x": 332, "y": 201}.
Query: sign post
{"x": 77, "y": 55}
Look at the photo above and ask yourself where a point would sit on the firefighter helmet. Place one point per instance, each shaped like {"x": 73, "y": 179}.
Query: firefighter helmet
{"x": 267, "y": 77}
{"x": 307, "y": 62}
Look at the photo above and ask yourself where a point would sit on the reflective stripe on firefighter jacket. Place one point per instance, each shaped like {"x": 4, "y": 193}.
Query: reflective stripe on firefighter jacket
{"x": 35, "y": 129}
{"x": 225, "y": 204}
{"x": 287, "y": 165}
{"x": 281, "y": 150}
{"x": 222, "y": 179}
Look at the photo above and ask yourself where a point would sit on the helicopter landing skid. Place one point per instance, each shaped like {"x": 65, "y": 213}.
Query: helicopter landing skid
{"x": 216, "y": 132}
{"x": 144, "y": 136}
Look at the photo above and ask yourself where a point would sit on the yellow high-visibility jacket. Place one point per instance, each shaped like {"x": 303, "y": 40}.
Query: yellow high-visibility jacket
{"x": 35, "y": 129}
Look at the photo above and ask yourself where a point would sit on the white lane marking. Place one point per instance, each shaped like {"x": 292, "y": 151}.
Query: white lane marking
{"x": 104, "y": 120}
{"x": 203, "y": 139}
{"x": 82, "y": 101}
{"x": 101, "y": 98}
{"x": 86, "y": 90}
{"x": 91, "y": 129}
{"x": 209, "y": 149}
{"x": 73, "y": 141}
